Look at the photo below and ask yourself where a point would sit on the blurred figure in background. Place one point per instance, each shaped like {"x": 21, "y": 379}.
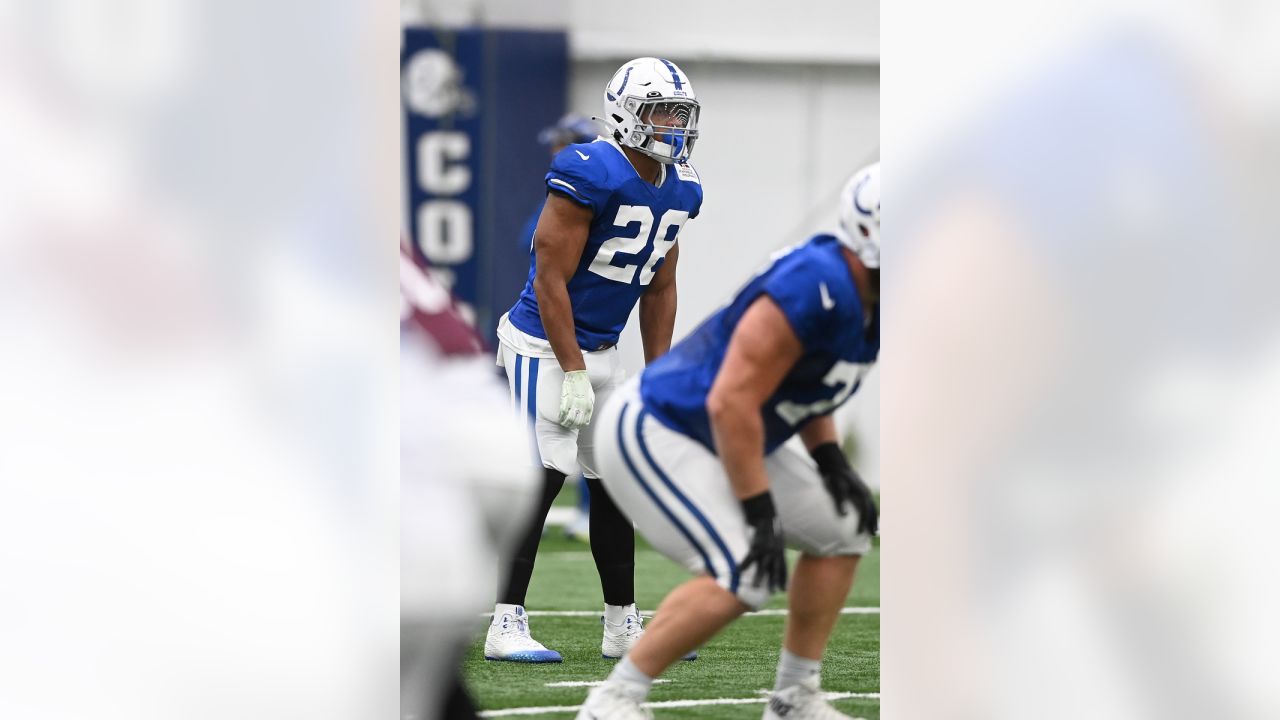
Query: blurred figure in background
{"x": 570, "y": 129}
{"x": 463, "y": 478}
{"x": 605, "y": 241}
{"x": 194, "y": 374}
{"x": 1097, "y": 497}
{"x": 696, "y": 450}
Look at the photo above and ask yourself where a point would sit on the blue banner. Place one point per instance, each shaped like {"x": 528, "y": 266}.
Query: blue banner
{"x": 474, "y": 101}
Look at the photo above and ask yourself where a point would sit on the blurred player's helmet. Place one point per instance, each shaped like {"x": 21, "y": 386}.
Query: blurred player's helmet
{"x": 572, "y": 128}
{"x": 650, "y": 105}
{"x": 860, "y": 215}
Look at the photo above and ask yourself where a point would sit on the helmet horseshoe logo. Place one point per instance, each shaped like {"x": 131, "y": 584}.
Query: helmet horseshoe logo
{"x": 856, "y": 191}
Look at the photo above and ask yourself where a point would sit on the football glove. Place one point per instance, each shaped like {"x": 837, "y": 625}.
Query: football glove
{"x": 768, "y": 552}
{"x": 845, "y": 487}
{"x": 577, "y": 399}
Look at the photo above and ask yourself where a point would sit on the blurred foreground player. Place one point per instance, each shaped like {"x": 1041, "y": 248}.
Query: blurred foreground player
{"x": 606, "y": 239}
{"x": 463, "y": 478}
{"x": 694, "y": 450}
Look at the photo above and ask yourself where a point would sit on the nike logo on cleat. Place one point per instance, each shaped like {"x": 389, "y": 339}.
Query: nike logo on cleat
{"x": 581, "y": 155}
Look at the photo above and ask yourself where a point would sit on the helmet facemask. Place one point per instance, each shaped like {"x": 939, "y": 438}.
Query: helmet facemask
{"x": 666, "y": 128}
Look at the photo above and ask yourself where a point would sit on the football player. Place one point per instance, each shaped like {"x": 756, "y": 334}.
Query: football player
{"x": 606, "y": 239}
{"x": 696, "y": 450}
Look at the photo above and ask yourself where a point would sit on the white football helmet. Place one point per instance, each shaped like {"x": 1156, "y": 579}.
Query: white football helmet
{"x": 860, "y": 215}
{"x": 650, "y": 106}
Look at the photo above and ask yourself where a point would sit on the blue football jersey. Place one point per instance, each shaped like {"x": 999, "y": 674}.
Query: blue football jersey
{"x": 634, "y": 225}
{"x": 812, "y": 285}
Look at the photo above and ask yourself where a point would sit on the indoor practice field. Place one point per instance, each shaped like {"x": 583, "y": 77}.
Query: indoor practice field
{"x": 724, "y": 682}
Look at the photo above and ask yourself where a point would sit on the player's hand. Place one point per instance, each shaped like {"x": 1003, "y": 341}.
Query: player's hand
{"x": 768, "y": 552}
{"x": 577, "y": 399}
{"x": 846, "y": 488}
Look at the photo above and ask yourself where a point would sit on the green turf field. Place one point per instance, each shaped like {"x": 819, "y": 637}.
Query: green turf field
{"x": 736, "y": 664}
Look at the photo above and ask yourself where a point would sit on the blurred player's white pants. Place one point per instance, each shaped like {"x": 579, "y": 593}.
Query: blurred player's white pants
{"x": 679, "y": 497}
{"x": 466, "y": 490}
{"x": 535, "y": 379}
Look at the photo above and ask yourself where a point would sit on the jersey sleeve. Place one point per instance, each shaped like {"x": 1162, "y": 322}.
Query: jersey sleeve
{"x": 584, "y": 181}
{"x": 804, "y": 297}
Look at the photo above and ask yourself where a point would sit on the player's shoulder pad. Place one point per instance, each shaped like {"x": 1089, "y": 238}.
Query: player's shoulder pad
{"x": 805, "y": 283}
{"x": 812, "y": 261}
{"x": 819, "y": 253}
{"x": 582, "y": 171}
{"x": 823, "y": 261}
{"x": 586, "y": 161}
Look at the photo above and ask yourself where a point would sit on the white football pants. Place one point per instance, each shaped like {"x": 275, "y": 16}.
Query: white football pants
{"x": 678, "y": 495}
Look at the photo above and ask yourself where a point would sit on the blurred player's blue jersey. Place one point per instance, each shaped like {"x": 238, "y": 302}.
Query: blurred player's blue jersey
{"x": 815, "y": 290}
{"x": 633, "y": 226}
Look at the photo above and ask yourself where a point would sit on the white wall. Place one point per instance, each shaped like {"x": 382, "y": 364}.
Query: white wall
{"x": 845, "y": 31}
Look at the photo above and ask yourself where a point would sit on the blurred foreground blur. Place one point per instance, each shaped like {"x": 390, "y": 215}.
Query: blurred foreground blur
{"x": 197, "y": 381}
{"x": 1082, "y": 353}
{"x": 467, "y": 489}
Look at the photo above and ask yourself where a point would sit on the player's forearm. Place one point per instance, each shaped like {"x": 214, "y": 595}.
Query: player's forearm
{"x": 657, "y": 322}
{"x": 557, "y": 321}
{"x": 819, "y": 431}
{"x": 738, "y": 430}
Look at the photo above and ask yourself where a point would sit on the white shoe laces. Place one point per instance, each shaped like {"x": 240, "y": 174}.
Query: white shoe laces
{"x": 521, "y": 625}
{"x": 631, "y": 626}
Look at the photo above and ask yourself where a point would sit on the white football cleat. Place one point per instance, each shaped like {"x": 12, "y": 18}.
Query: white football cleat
{"x": 801, "y": 702}
{"x": 509, "y": 639}
{"x": 607, "y": 702}
{"x": 619, "y": 638}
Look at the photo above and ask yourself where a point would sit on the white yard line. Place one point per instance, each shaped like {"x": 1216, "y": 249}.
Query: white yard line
{"x": 666, "y": 704}
{"x": 591, "y": 683}
{"x": 777, "y": 612}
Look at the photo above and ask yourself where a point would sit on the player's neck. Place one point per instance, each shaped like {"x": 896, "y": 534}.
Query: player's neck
{"x": 646, "y": 167}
